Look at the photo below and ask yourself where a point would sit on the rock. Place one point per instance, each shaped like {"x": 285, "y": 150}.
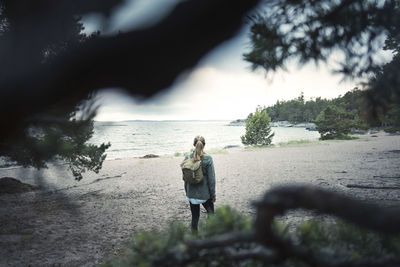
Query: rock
{"x": 149, "y": 156}
{"x": 10, "y": 185}
{"x": 231, "y": 146}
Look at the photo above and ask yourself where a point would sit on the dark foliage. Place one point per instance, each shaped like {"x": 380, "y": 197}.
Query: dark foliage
{"x": 334, "y": 123}
{"x": 354, "y": 106}
{"x": 54, "y": 136}
{"x": 384, "y": 90}
{"x": 311, "y": 30}
{"x": 62, "y": 130}
{"x": 49, "y": 68}
{"x": 298, "y": 110}
{"x": 128, "y": 60}
{"x": 308, "y": 30}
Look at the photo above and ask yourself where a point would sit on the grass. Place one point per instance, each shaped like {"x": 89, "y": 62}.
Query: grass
{"x": 178, "y": 154}
{"x": 304, "y": 142}
{"x": 347, "y": 137}
{"x": 342, "y": 138}
{"x": 255, "y": 147}
{"x": 301, "y": 142}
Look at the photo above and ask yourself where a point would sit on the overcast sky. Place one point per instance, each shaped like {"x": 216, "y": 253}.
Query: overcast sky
{"x": 221, "y": 87}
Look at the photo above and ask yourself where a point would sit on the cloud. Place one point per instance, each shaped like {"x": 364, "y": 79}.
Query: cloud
{"x": 209, "y": 93}
{"x": 220, "y": 87}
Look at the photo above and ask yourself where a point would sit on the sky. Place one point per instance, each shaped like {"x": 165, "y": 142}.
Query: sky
{"x": 220, "y": 87}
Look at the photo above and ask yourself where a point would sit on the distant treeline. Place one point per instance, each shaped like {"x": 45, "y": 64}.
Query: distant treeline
{"x": 298, "y": 110}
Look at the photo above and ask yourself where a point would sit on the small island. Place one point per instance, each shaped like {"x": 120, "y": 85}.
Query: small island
{"x": 238, "y": 122}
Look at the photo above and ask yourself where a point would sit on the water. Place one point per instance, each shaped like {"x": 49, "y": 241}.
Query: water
{"x": 139, "y": 138}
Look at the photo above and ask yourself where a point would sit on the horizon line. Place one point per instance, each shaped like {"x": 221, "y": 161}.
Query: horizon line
{"x": 167, "y": 120}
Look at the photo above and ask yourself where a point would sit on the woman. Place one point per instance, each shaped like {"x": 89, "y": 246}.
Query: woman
{"x": 203, "y": 192}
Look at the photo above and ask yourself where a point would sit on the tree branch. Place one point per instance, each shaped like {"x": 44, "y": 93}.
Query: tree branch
{"x": 265, "y": 245}
{"x": 282, "y": 199}
{"x": 144, "y": 62}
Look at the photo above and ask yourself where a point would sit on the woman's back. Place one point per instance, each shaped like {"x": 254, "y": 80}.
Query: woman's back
{"x": 203, "y": 192}
{"x": 206, "y": 188}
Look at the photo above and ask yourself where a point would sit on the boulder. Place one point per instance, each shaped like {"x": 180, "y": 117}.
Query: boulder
{"x": 10, "y": 185}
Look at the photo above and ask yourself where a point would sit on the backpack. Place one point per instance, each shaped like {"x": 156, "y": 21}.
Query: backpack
{"x": 191, "y": 171}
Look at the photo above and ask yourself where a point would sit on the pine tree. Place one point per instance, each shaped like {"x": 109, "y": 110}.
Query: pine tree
{"x": 258, "y": 129}
{"x": 334, "y": 122}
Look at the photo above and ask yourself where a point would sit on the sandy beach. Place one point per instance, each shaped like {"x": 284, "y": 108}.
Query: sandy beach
{"x": 69, "y": 223}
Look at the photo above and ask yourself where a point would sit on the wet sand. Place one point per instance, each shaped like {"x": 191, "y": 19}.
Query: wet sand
{"x": 69, "y": 223}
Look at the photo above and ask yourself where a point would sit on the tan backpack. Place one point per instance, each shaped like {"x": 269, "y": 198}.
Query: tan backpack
{"x": 192, "y": 171}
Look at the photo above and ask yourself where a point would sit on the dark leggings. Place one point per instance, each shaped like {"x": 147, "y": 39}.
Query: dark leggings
{"x": 195, "y": 209}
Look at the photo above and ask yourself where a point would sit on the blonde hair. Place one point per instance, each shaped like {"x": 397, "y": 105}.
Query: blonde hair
{"x": 199, "y": 143}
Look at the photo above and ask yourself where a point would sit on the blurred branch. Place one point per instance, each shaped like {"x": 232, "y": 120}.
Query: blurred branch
{"x": 144, "y": 62}
{"x": 265, "y": 245}
{"x": 384, "y": 89}
{"x": 279, "y": 200}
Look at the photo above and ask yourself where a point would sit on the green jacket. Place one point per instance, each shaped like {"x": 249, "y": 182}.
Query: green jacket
{"x": 206, "y": 188}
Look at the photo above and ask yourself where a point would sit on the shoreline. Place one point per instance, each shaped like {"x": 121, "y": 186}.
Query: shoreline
{"x": 70, "y": 223}
{"x": 292, "y": 142}
{"x": 224, "y": 150}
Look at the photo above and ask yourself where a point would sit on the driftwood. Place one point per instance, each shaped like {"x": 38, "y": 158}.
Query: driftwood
{"x": 266, "y": 246}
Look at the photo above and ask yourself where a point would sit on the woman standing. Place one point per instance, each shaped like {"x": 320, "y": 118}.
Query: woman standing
{"x": 203, "y": 192}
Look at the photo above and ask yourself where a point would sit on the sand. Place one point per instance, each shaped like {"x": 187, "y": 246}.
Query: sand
{"x": 69, "y": 223}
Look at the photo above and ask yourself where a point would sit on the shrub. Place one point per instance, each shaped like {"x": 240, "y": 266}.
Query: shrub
{"x": 327, "y": 239}
{"x": 147, "y": 247}
{"x": 258, "y": 129}
{"x": 334, "y": 123}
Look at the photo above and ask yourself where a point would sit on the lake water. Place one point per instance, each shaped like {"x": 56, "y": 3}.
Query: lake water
{"x": 139, "y": 138}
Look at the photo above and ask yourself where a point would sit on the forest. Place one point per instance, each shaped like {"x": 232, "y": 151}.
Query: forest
{"x": 353, "y": 103}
